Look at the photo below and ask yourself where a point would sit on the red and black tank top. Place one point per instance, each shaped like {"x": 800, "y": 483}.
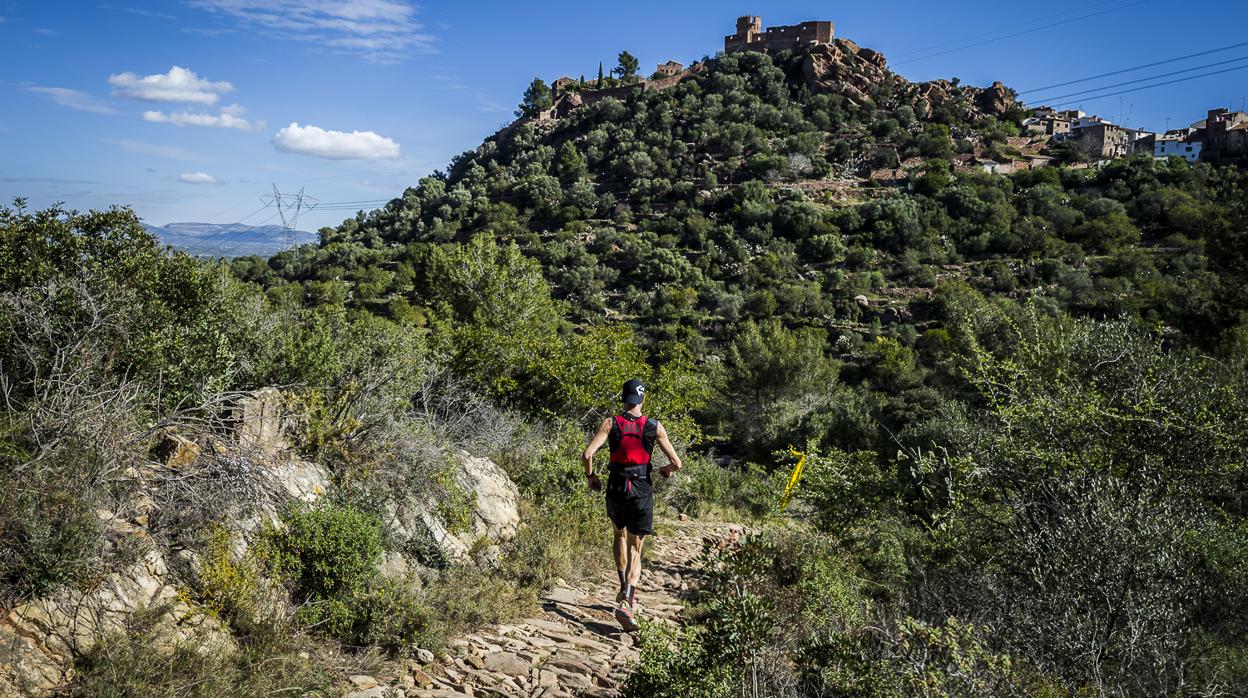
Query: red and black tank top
{"x": 632, "y": 441}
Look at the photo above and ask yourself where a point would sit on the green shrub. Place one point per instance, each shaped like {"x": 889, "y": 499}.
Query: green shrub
{"x": 676, "y": 664}
{"x": 557, "y": 540}
{"x": 328, "y": 550}
{"x": 704, "y": 487}
{"x": 389, "y": 615}
{"x": 846, "y": 489}
{"x": 237, "y": 590}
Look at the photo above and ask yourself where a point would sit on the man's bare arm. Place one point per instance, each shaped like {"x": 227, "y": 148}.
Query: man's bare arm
{"x": 600, "y": 438}
{"x": 674, "y": 463}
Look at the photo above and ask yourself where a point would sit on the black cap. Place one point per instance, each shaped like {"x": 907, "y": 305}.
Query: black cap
{"x": 634, "y": 392}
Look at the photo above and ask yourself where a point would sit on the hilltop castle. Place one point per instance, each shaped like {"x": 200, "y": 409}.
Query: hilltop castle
{"x": 751, "y": 37}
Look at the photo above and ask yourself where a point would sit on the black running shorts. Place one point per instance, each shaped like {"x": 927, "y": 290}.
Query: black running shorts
{"x": 631, "y": 504}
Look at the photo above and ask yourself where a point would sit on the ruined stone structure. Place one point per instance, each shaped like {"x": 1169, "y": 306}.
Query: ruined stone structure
{"x": 669, "y": 69}
{"x": 562, "y": 83}
{"x": 751, "y": 37}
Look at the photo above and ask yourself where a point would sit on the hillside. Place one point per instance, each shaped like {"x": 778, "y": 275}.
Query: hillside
{"x": 744, "y": 192}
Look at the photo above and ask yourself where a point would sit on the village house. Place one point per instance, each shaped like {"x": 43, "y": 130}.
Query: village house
{"x": 751, "y": 37}
{"x": 1102, "y": 140}
{"x": 1048, "y": 125}
{"x": 1225, "y": 137}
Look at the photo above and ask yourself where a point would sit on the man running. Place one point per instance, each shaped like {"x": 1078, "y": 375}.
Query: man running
{"x": 631, "y": 437}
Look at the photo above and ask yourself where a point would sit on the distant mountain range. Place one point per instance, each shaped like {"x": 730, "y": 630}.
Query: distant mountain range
{"x": 227, "y": 240}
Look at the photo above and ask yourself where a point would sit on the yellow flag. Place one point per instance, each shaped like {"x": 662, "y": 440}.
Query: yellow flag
{"x": 797, "y": 475}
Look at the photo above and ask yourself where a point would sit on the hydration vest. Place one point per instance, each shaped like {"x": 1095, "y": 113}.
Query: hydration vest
{"x": 631, "y": 442}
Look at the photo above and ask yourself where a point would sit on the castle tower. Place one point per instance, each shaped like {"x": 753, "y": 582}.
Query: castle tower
{"x": 748, "y": 27}
{"x": 751, "y": 24}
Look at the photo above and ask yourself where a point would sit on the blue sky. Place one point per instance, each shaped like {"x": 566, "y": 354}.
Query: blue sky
{"x": 383, "y": 92}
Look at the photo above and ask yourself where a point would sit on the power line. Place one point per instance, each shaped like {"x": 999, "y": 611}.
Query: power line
{"x": 997, "y": 31}
{"x": 1139, "y": 80}
{"x": 1135, "y": 68}
{"x": 1149, "y": 87}
{"x": 398, "y": 170}
{"x": 1025, "y": 32}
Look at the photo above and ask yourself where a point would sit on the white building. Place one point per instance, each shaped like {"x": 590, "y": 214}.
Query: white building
{"x": 1172, "y": 144}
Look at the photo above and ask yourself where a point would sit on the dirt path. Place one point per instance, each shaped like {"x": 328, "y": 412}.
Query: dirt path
{"x": 573, "y": 647}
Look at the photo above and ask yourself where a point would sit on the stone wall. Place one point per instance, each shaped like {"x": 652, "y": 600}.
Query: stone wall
{"x": 567, "y": 102}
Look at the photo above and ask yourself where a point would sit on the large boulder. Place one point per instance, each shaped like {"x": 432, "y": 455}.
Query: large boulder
{"x": 995, "y": 100}
{"x": 494, "y": 512}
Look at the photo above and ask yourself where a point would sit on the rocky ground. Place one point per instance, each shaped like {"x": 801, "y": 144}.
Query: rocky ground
{"x": 573, "y": 647}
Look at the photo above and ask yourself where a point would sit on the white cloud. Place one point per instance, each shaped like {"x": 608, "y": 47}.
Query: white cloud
{"x": 140, "y": 12}
{"x": 334, "y": 145}
{"x": 382, "y": 31}
{"x": 177, "y": 85}
{"x": 172, "y": 152}
{"x": 229, "y": 117}
{"x": 197, "y": 178}
{"x": 74, "y": 99}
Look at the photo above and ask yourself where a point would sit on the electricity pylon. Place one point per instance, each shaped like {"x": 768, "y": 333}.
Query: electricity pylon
{"x": 289, "y": 206}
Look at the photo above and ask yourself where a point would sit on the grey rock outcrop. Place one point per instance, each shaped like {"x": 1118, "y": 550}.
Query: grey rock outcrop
{"x": 245, "y": 481}
{"x": 260, "y": 418}
{"x": 494, "y": 513}
{"x": 38, "y": 640}
{"x": 842, "y": 67}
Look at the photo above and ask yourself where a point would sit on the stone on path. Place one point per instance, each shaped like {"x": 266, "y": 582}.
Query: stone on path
{"x": 508, "y": 664}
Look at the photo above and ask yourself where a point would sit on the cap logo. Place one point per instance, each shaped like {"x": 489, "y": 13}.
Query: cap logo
{"x": 641, "y": 390}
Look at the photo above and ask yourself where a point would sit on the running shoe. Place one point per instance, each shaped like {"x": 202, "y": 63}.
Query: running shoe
{"x": 624, "y": 614}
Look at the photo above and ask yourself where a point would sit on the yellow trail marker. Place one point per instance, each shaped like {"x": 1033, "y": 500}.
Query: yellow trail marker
{"x": 797, "y": 475}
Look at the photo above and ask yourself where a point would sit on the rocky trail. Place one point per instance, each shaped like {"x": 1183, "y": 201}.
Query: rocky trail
{"x": 574, "y": 647}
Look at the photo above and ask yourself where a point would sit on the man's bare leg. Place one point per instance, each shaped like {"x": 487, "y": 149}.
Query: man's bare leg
{"x": 633, "y": 575}
{"x": 619, "y": 548}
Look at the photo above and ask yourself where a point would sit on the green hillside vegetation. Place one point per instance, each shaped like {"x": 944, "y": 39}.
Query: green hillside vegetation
{"x": 1021, "y": 396}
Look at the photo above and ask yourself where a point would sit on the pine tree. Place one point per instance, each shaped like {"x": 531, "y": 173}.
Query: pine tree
{"x": 628, "y": 67}
{"x": 536, "y": 98}
{"x": 599, "y": 84}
